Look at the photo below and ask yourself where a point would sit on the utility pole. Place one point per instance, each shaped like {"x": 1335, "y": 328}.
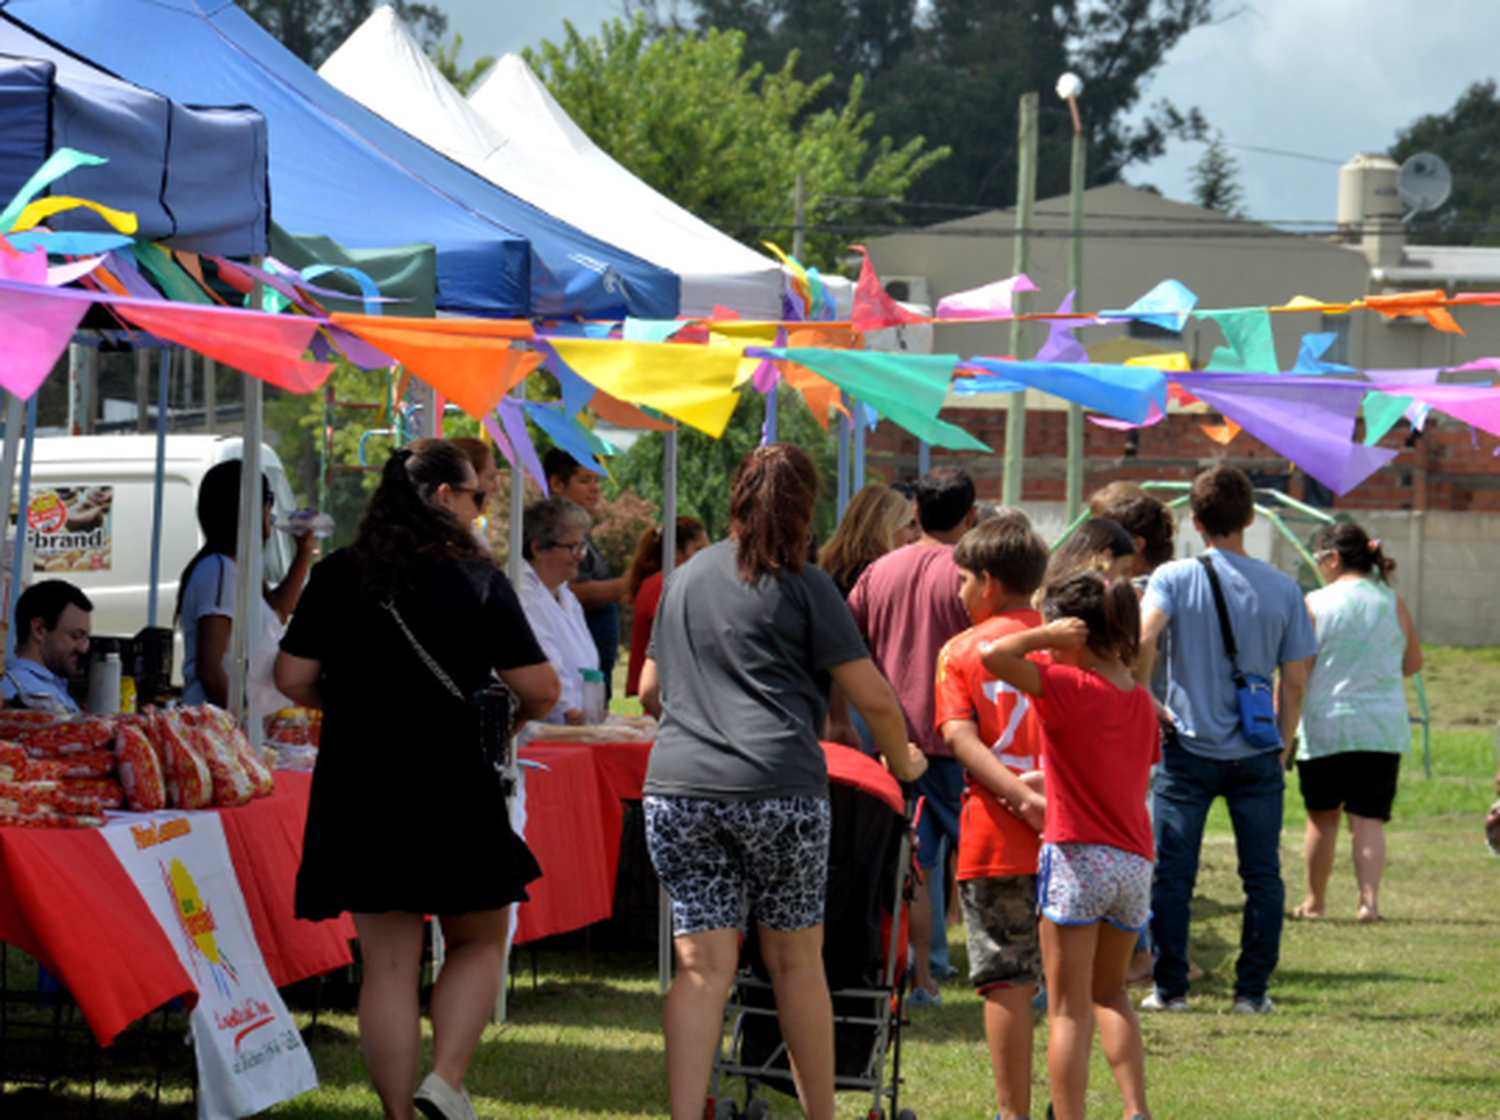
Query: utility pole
{"x": 1015, "y": 413}
{"x": 1069, "y": 86}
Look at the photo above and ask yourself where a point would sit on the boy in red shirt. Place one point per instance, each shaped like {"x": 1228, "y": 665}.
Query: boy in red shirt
{"x": 993, "y": 730}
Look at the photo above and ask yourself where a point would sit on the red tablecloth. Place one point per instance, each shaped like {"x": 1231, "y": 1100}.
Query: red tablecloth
{"x": 575, "y": 815}
{"x": 65, "y": 900}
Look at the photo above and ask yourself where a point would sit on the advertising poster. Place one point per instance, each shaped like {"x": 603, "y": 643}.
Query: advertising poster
{"x": 249, "y": 1051}
{"x": 71, "y": 529}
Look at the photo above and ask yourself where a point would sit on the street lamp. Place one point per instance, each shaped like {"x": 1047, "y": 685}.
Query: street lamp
{"x": 1069, "y": 88}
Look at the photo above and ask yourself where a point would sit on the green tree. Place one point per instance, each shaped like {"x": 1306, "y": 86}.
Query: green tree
{"x": 705, "y": 466}
{"x": 726, "y": 139}
{"x": 953, "y": 71}
{"x": 1214, "y": 184}
{"x": 314, "y": 29}
{"x": 1467, "y": 137}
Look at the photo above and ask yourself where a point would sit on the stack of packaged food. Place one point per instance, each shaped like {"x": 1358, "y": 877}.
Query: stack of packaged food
{"x": 65, "y": 771}
{"x": 292, "y": 738}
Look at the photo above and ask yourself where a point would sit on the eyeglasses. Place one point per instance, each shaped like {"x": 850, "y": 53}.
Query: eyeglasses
{"x": 1323, "y": 554}
{"x": 578, "y": 550}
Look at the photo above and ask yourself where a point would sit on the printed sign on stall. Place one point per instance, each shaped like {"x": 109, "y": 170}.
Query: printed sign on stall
{"x": 71, "y": 529}
{"x": 250, "y": 1054}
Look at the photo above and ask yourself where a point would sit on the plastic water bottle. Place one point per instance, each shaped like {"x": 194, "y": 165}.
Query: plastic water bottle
{"x": 104, "y": 684}
{"x": 593, "y": 696}
{"x": 303, "y": 522}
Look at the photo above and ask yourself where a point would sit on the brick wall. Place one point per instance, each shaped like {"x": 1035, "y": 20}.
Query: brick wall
{"x": 1448, "y": 467}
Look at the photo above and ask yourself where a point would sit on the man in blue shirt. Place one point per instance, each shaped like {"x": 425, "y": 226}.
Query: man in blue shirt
{"x": 52, "y": 635}
{"x": 1209, "y": 756}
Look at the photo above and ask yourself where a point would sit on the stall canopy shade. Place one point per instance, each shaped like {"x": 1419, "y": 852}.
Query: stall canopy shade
{"x": 514, "y": 134}
{"x": 341, "y": 171}
{"x": 196, "y": 177}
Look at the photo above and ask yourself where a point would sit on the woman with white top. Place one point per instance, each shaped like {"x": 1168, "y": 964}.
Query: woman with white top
{"x": 1354, "y": 722}
{"x": 555, "y": 532}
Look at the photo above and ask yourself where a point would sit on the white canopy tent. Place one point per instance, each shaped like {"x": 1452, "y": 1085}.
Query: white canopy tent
{"x": 514, "y": 134}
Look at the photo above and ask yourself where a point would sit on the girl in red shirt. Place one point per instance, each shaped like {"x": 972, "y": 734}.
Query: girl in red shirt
{"x": 1094, "y": 889}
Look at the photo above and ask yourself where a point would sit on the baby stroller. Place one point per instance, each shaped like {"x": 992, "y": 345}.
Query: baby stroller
{"x": 864, "y": 954}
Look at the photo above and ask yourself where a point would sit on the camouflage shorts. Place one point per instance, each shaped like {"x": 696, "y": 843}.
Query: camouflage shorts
{"x": 1000, "y": 914}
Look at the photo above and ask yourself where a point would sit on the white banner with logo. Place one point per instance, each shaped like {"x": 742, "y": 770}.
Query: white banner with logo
{"x": 250, "y": 1055}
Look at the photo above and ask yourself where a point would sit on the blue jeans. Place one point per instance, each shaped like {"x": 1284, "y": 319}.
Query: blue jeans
{"x": 1254, "y": 790}
{"x": 937, "y": 831}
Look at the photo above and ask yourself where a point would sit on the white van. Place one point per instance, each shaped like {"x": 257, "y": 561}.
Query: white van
{"x": 90, "y": 512}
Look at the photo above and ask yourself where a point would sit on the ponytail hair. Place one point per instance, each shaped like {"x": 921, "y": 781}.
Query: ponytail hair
{"x": 1110, "y": 609}
{"x": 1357, "y": 550}
{"x": 771, "y": 510}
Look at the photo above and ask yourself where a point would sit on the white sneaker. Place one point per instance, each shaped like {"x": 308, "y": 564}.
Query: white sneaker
{"x": 1247, "y": 1006}
{"x": 1155, "y": 1002}
{"x": 437, "y": 1100}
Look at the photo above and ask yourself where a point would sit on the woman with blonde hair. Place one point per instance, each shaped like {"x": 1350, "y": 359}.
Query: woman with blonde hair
{"x": 876, "y": 521}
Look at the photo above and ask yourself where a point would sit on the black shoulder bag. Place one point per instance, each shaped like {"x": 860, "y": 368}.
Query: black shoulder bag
{"x": 494, "y": 702}
{"x": 1256, "y": 697}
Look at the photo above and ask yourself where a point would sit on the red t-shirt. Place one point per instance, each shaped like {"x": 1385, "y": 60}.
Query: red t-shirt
{"x": 906, "y": 605}
{"x": 991, "y": 839}
{"x": 1101, "y": 742}
{"x": 642, "y": 617}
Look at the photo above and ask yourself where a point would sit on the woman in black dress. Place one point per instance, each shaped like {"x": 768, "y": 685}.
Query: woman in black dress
{"x": 407, "y": 816}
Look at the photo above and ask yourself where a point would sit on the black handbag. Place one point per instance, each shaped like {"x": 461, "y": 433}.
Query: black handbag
{"x": 494, "y": 703}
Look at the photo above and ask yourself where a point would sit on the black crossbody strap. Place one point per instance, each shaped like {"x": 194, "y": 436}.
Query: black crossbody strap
{"x": 1229, "y": 646}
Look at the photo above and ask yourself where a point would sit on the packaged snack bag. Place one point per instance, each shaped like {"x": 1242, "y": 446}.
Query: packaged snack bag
{"x": 261, "y": 779}
{"x": 139, "y": 769}
{"x": 189, "y": 785}
{"x": 108, "y": 792}
{"x": 68, "y": 736}
{"x": 31, "y": 798}
{"x": 86, "y": 764}
{"x": 13, "y": 761}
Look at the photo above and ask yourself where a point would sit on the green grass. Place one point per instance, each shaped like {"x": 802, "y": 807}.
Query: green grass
{"x": 1389, "y": 1020}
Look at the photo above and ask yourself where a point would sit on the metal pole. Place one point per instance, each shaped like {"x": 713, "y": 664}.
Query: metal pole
{"x": 162, "y": 400}
{"x": 799, "y": 220}
{"x": 858, "y": 482}
{"x": 843, "y": 481}
{"x": 1075, "y": 281}
{"x": 24, "y": 437}
{"x": 668, "y": 562}
{"x": 1015, "y": 414}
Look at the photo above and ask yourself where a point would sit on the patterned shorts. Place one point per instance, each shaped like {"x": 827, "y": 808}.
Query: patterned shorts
{"x": 724, "y": 862}
{"x": 1000, "y": 915}
{"x": 1085, "y": 883}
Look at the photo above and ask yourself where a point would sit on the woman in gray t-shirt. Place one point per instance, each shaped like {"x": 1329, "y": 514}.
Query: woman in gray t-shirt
{"x": 747, "y": 638}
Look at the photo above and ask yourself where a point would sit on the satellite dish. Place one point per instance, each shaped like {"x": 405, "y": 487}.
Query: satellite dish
{"x": 1424, "y": 182}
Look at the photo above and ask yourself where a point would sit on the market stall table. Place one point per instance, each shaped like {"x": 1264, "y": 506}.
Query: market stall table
{"x": 65, "y": 900}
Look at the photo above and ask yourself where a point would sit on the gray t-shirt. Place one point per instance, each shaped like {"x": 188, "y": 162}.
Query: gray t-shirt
{"x": 744, "y": 679}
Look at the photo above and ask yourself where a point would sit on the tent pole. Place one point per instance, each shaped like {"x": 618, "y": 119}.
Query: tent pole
{"x": 844, "y": 432}
{"x": 162, "y": 401}
{"x": 249, "y": 576}
{"x": 20, "y": 421}
{"x": 859, "y": 449}
{"x": 668, "y": 562}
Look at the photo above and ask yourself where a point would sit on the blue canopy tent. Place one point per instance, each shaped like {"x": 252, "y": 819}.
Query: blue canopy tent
{"x": 338, "y": 169}
{"x": 169, "y": 163}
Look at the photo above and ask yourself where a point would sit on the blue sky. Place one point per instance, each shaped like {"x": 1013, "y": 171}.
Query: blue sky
{"x": 1320, "y": 79}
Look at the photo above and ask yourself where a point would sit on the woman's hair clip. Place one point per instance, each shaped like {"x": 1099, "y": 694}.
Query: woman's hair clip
{"x": 1374, "y": 544}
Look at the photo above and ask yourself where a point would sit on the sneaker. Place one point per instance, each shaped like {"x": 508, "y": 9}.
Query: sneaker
{"x": 437, "y": 1100}
{"x": 922, "y": 997}
{"x": 1155, "y": 1001}
{"x": 1244, "y": 1005}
